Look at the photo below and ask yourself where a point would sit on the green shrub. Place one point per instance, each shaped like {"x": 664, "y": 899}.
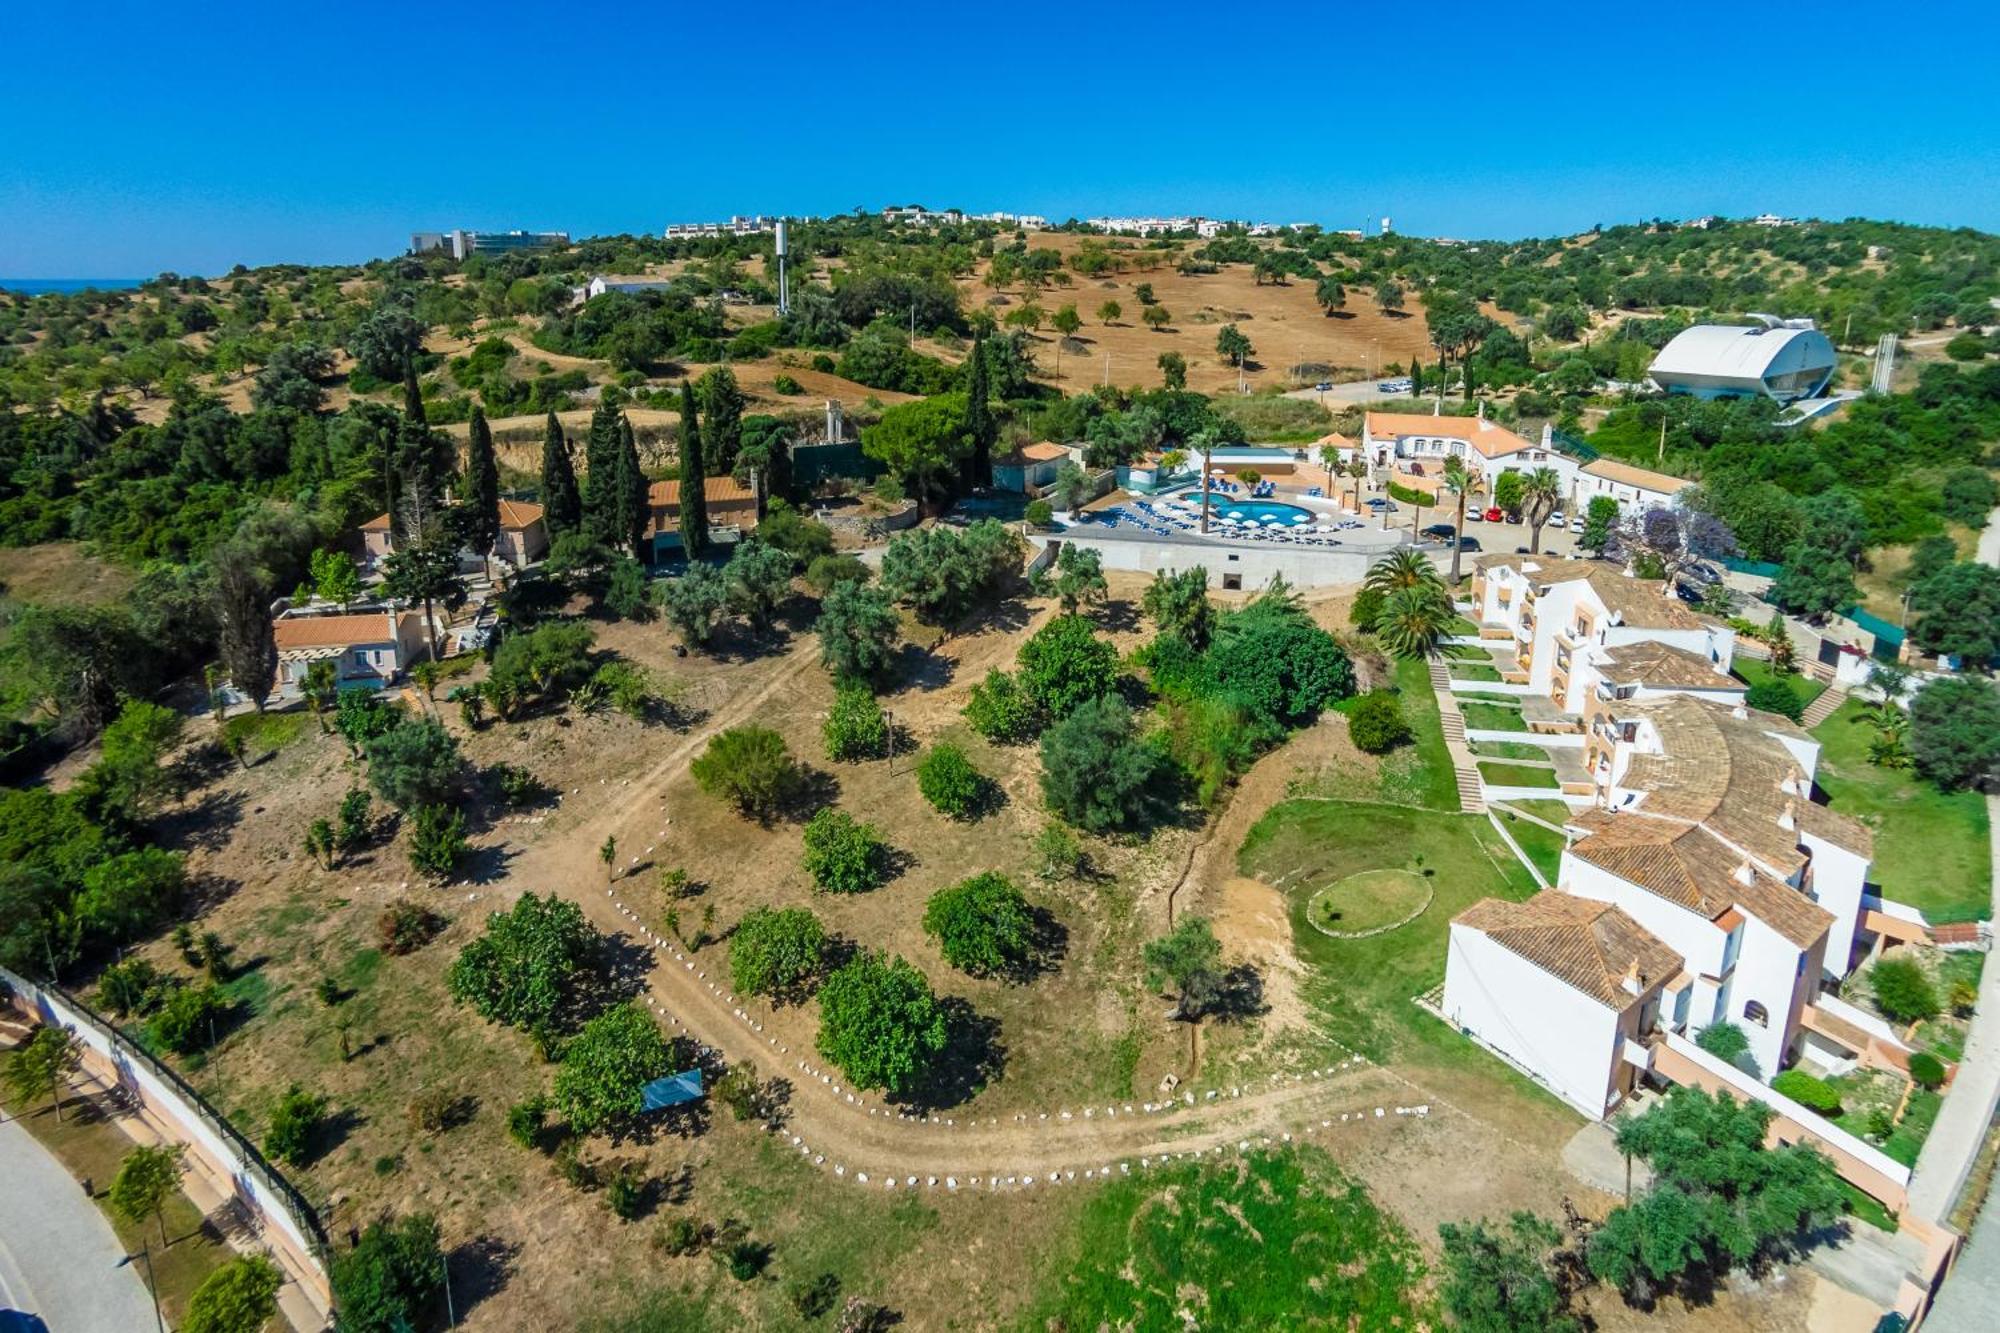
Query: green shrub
{"x": 1814, "y": 1094}
{"x": 827, "y": 571}
{"x": 185, "y": 1022}
{"x": 786, "y": 385}
{"x": 1902, "y": 991}
{"x": 1775, "y": 696}
{"x": 949, "y": 781}
{"x": 1926, "y": 1070}
{"x": 1065, "y": 664}
{"x": 437, "y": 840}
{"x": 856, "y": 727}
{"x": 1001, "y": 711}
{"x": 1724, "y": 1041}
{"x": 750, "y": 768}
{"x": 843, "y": 855}
{"x": 1039, "y": 514}
{"x": 527, "y": 1122}
{"x": 982, "y": 925}
{"x": 1376, "y": 723}
{"x": 293, "y": 1125}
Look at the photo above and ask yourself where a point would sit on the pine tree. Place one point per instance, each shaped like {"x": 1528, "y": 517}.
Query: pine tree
{"x": 977, "y": 470}
{"x": 481, "y": 520}
{"x": 562, "y": 508}
{"x": 694, "y": 491}
{"x": 631, "y": 491}
{"x": 600, "y": 478}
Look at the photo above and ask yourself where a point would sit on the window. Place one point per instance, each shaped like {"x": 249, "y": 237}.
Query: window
{"x": 1753, "y": 1012}
{"x": 1232, "y": 582}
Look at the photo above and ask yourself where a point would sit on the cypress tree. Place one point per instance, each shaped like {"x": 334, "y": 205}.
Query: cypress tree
{"x": 721, "y": 405}
{"x": 413, "y": 394}
{"x": 562, "y": 508}
{"x": 694, "y": 492}
{"x": 977, "y": 469}
{"x": 482, "y": 488}
{"x": 631, "y": 491}
{"x": 600, "y": 477}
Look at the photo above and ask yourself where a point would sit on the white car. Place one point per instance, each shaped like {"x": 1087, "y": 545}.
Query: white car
{"x": 1577, "y": 524}
{"x": 1555, "y": 519}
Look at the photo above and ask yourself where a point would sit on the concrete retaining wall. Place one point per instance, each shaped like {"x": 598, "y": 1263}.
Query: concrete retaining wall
{"x": 1303, "y": 567}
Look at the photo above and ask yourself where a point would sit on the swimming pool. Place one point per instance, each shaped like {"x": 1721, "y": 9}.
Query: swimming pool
{"x": 1227, "y": 506}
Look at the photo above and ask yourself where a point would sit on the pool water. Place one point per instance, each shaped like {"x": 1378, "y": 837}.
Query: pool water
{"x": 1223, "y": 506}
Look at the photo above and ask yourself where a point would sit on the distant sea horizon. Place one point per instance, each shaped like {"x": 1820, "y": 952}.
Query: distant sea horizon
{"x": 41, "y": 286}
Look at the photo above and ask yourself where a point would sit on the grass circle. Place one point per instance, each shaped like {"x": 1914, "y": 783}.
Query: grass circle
{"x": 1368, "y": 903}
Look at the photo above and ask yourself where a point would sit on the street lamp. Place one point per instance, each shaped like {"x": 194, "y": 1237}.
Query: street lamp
{"x": 145, "y": 1256}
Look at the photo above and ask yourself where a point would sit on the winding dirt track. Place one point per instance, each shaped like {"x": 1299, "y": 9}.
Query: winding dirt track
{"x": 862, "y": 1139}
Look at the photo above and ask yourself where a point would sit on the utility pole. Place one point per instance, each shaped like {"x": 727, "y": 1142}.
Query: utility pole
{"x": 1661, "y": 455}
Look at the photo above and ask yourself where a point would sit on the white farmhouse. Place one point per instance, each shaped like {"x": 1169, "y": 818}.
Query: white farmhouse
{"x": 1418, "y": 444}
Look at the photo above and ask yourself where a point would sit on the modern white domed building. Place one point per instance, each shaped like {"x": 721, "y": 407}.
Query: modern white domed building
{"x": 1726, "y": 361}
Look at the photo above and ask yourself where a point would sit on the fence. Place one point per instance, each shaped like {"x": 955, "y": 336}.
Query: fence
{"x": 182, "y": 1115}
{"x": 1564, "y": 443}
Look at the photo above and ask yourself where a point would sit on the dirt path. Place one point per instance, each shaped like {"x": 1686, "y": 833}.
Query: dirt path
{"x": 857, "y": 1135}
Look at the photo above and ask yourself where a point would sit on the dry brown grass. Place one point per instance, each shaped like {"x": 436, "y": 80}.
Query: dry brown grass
{"x": 62, "y": 573}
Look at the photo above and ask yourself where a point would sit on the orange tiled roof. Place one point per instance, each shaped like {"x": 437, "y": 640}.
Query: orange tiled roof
{"x": 298, "y": 632}
{"x": 1489, "y": 439}
{"x": 1590, "y": 945}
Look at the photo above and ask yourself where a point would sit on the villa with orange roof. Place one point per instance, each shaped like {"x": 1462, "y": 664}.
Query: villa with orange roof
{"x": 524, "y": 536}
{"x": 1418, "y": 444}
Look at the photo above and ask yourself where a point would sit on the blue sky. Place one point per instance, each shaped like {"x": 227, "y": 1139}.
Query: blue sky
{"x": 136, "y": 137}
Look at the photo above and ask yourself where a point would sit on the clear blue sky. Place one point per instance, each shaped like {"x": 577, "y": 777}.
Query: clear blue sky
{"x": 136, "y": 137}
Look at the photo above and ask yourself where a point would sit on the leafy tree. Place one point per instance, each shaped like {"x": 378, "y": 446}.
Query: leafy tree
{"x": 548, "y": 662}
{"x": 1508, "y": 489}
{"x": 1001, "y": 711}
{"x": 856, "y": 728}
{"x": 1719, "y": 1197}
{"x": 696, "y": 602}
{"x": 148, "y": 1176}
{"x": 334, "y": 578}
{"x": 1096, "y": 771}
{"x": 130, "y": 777}
{"x": 1958, "y": 613}
{"x": 126, "y": 895}
{"x": 777, "y": 952}
{"x": 1541, "y": 492}
{"x": 842, "y": 854}
{"x": 425, "y": 569}
{"x": 694, "y": 484}
{"x": 292, "y": 378}
{"x": 295, "y": 1121}
{"x": 1389, "y": 296}
{"x": 983, "y": 925}
{"x": 921, "y": 442}
{"x": 1330, "y": 294}
{"x": 880, "y": 1024}
{"x": 1064, "y": 664}
{"x": 1072, "y": 487}
{"x": 1926, "y": 1070}
{"x": 858, "y": 631}
{"x": 1376, "y": 723}
{"x": 949, "y": 782}
{"x": 1173, "y": 369}
{"x": 604, "y": 1068}
{"x": 1775, "y": 696}
{"x": 1902, "y": 991}
{"x": 976, "y": 469}
{"x": 392, "y": 1280}
{"x": 479, "y": 517}
{"x": 1955, "y": 731}
{"x": 414, "y": 765}
{"x": 1274, "y": 661}
{"x": 942, "y": 572}
{"x": 185, "y": 1021}
{"x": 386, "y": 345}
{"x": 437, "y": 839}
{"x": 1077, "y": 577}
{"x": 1969, "y": 496}
{"x": 1156, "y": 317}
{"x": 1066, "y": 321}
{"x": 1189, "y": 959}
{"x": 43, "y": 1064}
{"x": 1600, "y": 524}
{"x": 759, "y": 578}
{"x": 528, "y": 967}
{"x": 130, "y": 987}
{"x": 562, "y": 504}
{"x": 1499, "y": 1280}
{"x": 239, "y": 1297}
{"x": 628, "y": 594}
{"x": 1109, "y": 312}
{"x": 1779, "y": 640}
{"x": 750, "y": 768}
{"x": 1233, "y": 344}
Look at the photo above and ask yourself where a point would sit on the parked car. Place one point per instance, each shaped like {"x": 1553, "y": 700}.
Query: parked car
{"x": 1493, "y": 515}
{"x": 1475, "y": 516}
{"x": 1701, "y": 573}
{"x": 1555, "y": 519}
{"x": 1690, "y": 594}
{"x": 1402, "y": 385}
{"x": 1443, "y": 532}
{"x": 1468, "y": 543}
{"x": 1323, "y": 385}
{"x": 1577, "y": 524}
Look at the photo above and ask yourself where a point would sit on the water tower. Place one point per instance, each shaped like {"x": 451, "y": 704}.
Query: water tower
{"x": 784, "y": 289}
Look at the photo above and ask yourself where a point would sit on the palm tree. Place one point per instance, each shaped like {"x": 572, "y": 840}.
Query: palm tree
{"x": 1413, "y": 620}
{"x": 1329, "y": 457}
{"x": 1401, "y": 569}
{"x": 1357, "y": 468}
{"x": 1461, "y": 481}
{"x": 1541, "y": 492}
{"x": 1204, "y": 440}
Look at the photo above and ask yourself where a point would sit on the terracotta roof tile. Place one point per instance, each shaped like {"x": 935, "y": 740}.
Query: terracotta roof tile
{"x": 518, "y": 514}
{"x": 1665, "y": 666}
{"x": 1590, "y": 945}
{"x": 1489, "y": 439}
{"x": 1612, "y": 470}
{"x": 293, "y": 633}
{"x": 1690, "y": 866}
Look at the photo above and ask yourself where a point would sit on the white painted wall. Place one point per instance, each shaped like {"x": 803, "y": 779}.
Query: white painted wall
{"x": 1565, "y": 1038}
{"x": 1694, "y": 937}
{"x": 1303, "y": 567}
{"x": 1839, "y": 878}
{"x": 1767, "y": 972}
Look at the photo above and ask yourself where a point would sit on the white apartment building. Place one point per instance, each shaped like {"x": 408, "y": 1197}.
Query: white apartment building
{"x": 1419, "y": 443}
{"x": 1585, "y": 632}
{"x": 1634, "y": 488}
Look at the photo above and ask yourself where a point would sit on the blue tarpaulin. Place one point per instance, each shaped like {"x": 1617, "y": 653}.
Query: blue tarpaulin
{"x": 673, "y": 1090}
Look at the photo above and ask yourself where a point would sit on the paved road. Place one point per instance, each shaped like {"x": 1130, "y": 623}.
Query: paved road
{"x": 1961, "y": 1126}
{"x": 59, "y": 1258}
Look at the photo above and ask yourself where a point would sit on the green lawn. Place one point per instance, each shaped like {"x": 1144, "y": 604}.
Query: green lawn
{"x": 1491, "y": 717}
{"x": 1556, "y": 812}
{"x": 1754, "y": 671}
{"x": 1519, "y": 775}
{"x": 1508, "y": 750}
{"x": 1362, "y": 989}
{"x": 1418, "y": 773}
{"x": 1931, "y": 847}
{"x": 1543, "y": 846}
{"x": 1278, "y": 1240}
{"x": 1480, "y": 671}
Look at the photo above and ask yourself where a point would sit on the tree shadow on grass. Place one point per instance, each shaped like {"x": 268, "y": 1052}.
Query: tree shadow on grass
{"x": 333, "y": 1130}
{"x": 208, "y": 823}
{"x": 623, "y": 964}
{"x": 1239, "y": 995}
{"x": 487, "y": 864}
{"x": 479, "y": 1269}
{"x": 973, "y": 1057}
{"x": 1117, "y": 616}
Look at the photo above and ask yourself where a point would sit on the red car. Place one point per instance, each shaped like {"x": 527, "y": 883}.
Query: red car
{"x": 1493, "y": 516}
